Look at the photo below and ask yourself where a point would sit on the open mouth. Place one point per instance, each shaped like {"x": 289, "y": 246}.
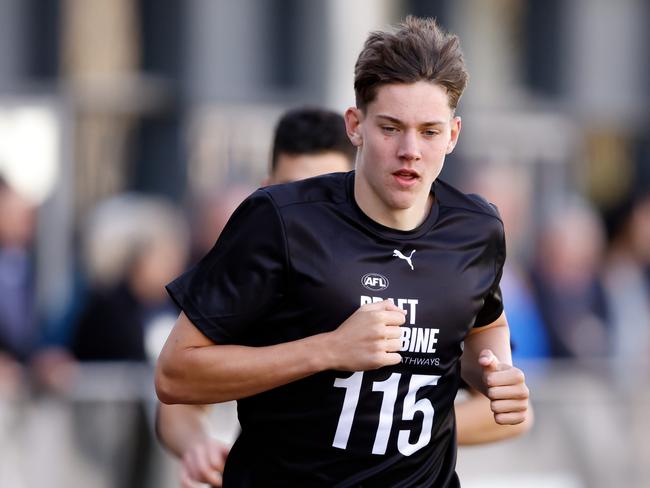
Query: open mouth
{"x": 406, "y": 175}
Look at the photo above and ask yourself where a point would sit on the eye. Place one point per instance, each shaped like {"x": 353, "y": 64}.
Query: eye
{"x": 389, "y": 129}
{"x": 430, "y": 132}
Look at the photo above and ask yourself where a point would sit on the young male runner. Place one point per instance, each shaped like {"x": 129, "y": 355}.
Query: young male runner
{"x": 308, "y": 142}
{"x": 336, "y": 309}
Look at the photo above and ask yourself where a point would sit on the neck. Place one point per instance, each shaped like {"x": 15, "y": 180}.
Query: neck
{"x": 395, "y": 218}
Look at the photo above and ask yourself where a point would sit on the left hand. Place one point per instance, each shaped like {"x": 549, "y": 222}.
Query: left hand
{"x": 203, "y": 463}
{"x": 506, "y": 389}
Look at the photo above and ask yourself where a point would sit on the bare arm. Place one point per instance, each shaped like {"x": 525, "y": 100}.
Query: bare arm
{"x": 494, "y": 337}
{"x": 178, "y": 427}
{"x": 475, "y": 422}
{"x": 487, "y": 367}
{"x": 192, "y": 369}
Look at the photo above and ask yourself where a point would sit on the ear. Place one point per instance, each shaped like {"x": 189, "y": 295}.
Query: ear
{"x": 455, "y": 132}
{"x": 353, "y": 121}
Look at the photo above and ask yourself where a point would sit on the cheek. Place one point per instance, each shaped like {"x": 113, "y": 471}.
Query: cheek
{"x": 381, "y": 148}
{"x": 442, "y": 143}
{"x": 438, "y": 150}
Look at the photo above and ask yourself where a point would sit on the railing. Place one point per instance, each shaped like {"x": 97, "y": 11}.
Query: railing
{"x": 591, "y": 431}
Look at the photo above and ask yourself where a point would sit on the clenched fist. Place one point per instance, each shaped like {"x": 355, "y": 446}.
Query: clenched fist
{"x": 368, "y": 339}
{"x": 506, "y": 389}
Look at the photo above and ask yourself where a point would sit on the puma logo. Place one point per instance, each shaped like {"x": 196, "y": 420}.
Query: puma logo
{"x": 398, "y": 254}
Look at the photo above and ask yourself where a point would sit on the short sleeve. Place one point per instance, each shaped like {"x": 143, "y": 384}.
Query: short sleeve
{"x": 241, "y": 278}
{"x": 493, "y": 301}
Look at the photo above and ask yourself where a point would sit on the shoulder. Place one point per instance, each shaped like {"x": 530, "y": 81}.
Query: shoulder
{"x": 451, "y": 198}
{"x": 272, "y": 206}
{"x": 330, "y": 188}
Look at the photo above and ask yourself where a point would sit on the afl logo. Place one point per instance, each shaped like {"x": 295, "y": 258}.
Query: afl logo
{"x": 374, "y": 282}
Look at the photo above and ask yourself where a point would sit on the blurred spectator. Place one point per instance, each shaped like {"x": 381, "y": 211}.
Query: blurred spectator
{"x": 527, "y": 329}
{"x": 134, "y": 245}
{"x": 626, "y": 278}
{"x": 18, "y": 327}
{"x": 566, "y": 277}
{"x": 131, "y": 245}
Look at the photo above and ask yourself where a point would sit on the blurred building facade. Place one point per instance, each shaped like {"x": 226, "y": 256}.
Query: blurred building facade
{"x": 143, "y": 78}
{"x": 167, "y": 96}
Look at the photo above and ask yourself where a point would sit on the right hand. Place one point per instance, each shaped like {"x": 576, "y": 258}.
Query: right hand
{"x": 369, "y": 338}
{"x": 203, "y": 463}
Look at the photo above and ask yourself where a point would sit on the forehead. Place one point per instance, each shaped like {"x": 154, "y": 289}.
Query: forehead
{"x": 414, "y": 102}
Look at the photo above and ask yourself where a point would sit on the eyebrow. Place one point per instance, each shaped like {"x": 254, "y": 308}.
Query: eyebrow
{"x": 399, "y": 122}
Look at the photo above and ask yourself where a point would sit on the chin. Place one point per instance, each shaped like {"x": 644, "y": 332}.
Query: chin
{"x": 403, "y": 203}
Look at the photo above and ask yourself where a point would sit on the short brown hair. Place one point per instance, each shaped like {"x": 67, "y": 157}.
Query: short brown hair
{"x": 418, "y": 50}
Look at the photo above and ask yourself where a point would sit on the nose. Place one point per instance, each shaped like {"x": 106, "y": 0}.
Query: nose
{"x": 409, "y": 149}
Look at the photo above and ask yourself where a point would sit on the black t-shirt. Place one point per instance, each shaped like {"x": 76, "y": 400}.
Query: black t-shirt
{"x": 298, "y": 259}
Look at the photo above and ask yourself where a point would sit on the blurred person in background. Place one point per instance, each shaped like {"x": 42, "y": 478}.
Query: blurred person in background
{"x": 566, "y": 277}
{"x": 308, "y": 142}
{"x": 508, "y": 187}
{"x": 626, "y": 278}
{"x": 475, "y": 424}
{"x": 132, "y": 245}
{"x": 18, "y": 325}
{"x": 129, "y": 247}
